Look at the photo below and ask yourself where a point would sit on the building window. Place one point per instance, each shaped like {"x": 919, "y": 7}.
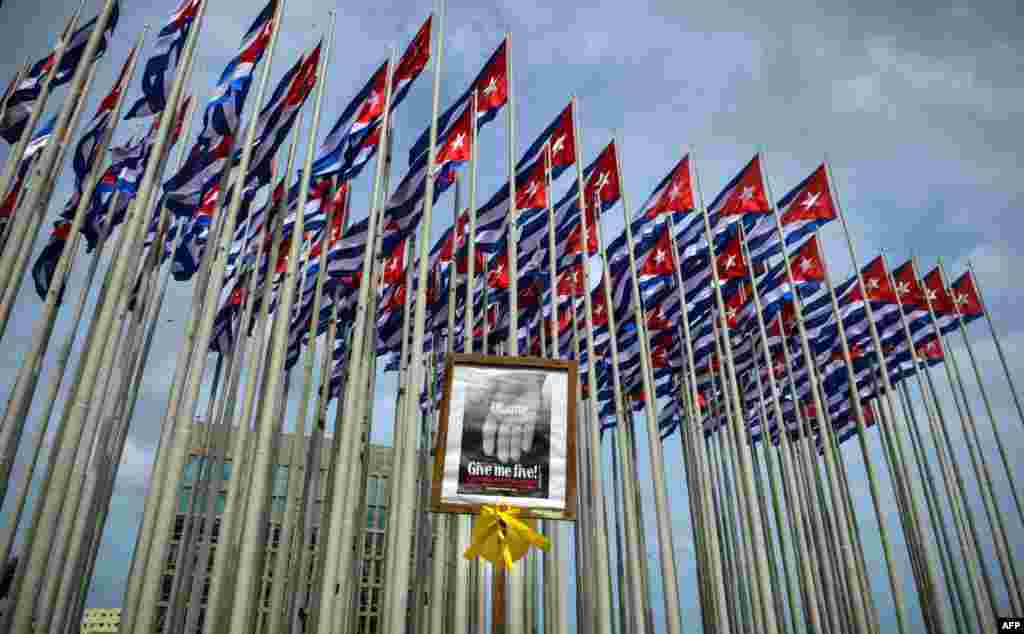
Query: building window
{"x": 179, "y": 527}
{"x": 165, "y": 587}
{"x": 172, "y": 557}
{"x": 161, "y": 617}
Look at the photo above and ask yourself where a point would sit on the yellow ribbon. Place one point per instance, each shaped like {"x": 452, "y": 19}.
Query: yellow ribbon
{"x": 501, "y": 538}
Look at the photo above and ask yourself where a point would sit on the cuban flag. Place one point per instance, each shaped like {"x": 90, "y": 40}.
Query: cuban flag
{"x": 85, "y": 151}
{"x": 39, "y": 141}
{"x": 159, "y": 71}
{"x": 353, "y": 140}
{"x": 805, "y": 209}
{"x": 225, "y": 106}
{"x": 743, "y": 195}
{"x": 278, "y": 116}
{"x": 559, "y": 137}
{"x": 19, "y": 106}
{"x": 201, "y": 171}
{"x": 492, "y": 94}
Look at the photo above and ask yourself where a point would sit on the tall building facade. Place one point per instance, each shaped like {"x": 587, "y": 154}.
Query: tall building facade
{"x": 191, "y": 489}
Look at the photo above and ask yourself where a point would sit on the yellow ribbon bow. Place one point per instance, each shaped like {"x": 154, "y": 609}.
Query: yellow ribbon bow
{"x": 501, "y": 538}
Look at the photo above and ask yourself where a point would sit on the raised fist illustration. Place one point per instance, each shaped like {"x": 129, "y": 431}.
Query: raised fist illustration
{"x": 516, "y": 403}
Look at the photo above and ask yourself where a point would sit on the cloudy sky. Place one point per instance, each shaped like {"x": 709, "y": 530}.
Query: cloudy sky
{"x": 918, "y": 107}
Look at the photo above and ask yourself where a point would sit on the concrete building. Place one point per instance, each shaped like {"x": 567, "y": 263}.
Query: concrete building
{"x": 99, "y": 620}
{"x": 291, "y": 451}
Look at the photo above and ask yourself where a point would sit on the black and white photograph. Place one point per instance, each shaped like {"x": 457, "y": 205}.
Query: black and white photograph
{"x": 506, "y": 435}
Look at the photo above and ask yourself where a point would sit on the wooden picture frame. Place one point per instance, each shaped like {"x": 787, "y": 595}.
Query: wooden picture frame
{"x": 570, "y": 368}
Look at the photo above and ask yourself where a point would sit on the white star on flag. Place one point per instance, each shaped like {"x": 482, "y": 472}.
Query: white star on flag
{"x": 961, "y": 300}
{"x": 930, "y": 294}
{"x": 730, "y": 261}
{"x": 811, "y": 200}
{"x": 747, "y": 194}
{"x": 872, "y": 284}
{"x": 532, "y": 189}
{"x": 602, "y": 180}
{"x": 902, "y": 288}
{"x": 659, "y": 256}
{"x": 558, "y": 144}
{"x": 675, "y": 191}
{"x": 373, "y": 99}
{"x": 806, "y": 264}
{"x": 730, "y": 315}
{"x": 460, "y": 140}
{"x": 491, "y": 87}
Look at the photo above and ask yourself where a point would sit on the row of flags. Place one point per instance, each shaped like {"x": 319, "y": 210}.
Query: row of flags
{"x": 669, "y": 242}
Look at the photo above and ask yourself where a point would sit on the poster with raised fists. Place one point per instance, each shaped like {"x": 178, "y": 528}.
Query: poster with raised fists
{"x": 506, "y": 435}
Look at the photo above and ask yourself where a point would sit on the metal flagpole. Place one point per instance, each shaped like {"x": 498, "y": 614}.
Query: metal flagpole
{"x": 957, "y": 301}
{"x": 28, "y": 375}
{"x": 16, "y": 227}
{"x": 998, "y": 344}
{"x": 950, "y": 471}
{"x": 268, "y": 424}
{"x": 405, "y": 473}
{"x": 776, "y": 407}
{"x": 938, "y": 523}
{"x": 715, "y": 564}
{"x": 462, "y": 525}
{"x": 338, "y": 526}
{"x": 602, "y": 590}
{"x": 666, "y": 549}
{"x": 781, "y": 603}
{"x": 12, "y": 272}
{"x": 987, "y": 591}
{"x": 256, "y": 339}
{"x": 56, "y": 379}
{"x": 41, "y": 184}
{"x": 913, "y": 507}
{"x": 751, "y": 523}
{"x": 199, "y": 333}
{"x": 76, "y": 409}
{"x": 1001, "y": 545}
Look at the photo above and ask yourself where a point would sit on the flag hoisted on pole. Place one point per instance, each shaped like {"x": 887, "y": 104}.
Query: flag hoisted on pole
{"x": 718, "y": 321}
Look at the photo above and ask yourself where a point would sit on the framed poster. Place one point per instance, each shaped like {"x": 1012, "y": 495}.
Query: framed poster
{"x": 507, "y": 435}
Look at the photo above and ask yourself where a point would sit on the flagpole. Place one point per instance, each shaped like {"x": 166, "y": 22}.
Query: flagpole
{"x": 996, "y": 341}
{"x": 995, "y": 431}
{"x": 405, "y": 473}
{"x": 959, "y": 606}
{"x": 38, "y": 574}
{"x": 766, "y": 436}
{"x": 514, "y": 578}
{"x": 269, "y": 423}
{"x": 752, "y": 522}
{"x": 969, "y": 428}
{"x": 16, "y": 227}
{"x": 339, "y": 526}
{"x": 180, "y": 413}
{"x": 556, "y": 573}
{"x": 145, "y": 193}
{"x": 952, "y": 374}
{"x": 721, "y": 618}
{"x": 13, "y": 272}
{"x": 949, "y": 478}
{"x": 28, "y": 375}
{"x": 35, "y": 221}
{"x": 760, "y": 486}
{"x": 601, "y": 570}
{"x": 670, "y": 584}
